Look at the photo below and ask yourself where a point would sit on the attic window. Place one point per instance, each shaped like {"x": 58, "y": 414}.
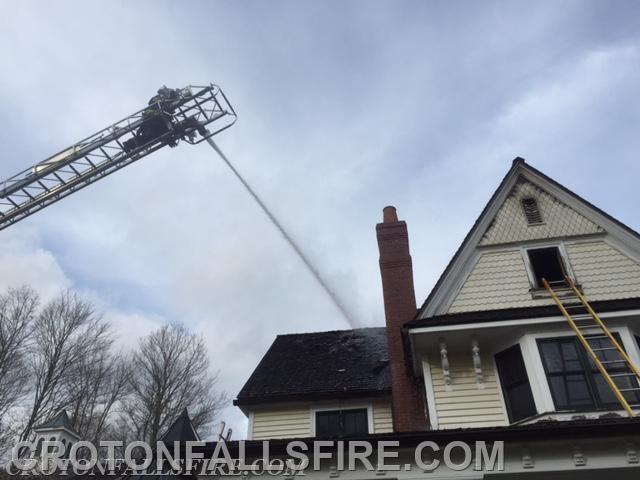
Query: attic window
{"x": 546, "y": 263}
{"x": 531, "y": 211}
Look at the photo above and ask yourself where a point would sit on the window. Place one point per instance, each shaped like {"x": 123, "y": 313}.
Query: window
{"x": 342, "y": 423}
{"x": 51, "y": 448}
{"x": 39, "y": 447}
{"x": 546, "y": 263}
{"x": 515, "y": 384}
{"x": 531, "y": 211}
{"x": 574, "y": 380}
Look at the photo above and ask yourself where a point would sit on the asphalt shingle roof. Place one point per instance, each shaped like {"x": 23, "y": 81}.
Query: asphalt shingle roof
{"x": 181, "y": 430}
{"x": 310, "y": 365}
{"x": 61, "y": 420}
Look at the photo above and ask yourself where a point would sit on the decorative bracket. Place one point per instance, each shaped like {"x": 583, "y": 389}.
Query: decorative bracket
{"x": 446, "y": 372}
{"x": 579, "y": 460}
{"x": 527, "y": 459}
{"x": 632, "y": 453}
{"x": 477, "y": 362}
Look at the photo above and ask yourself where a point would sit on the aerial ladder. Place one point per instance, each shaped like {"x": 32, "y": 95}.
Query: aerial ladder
{"x": 192, "y": 114}
{"x": 602, "y": 347}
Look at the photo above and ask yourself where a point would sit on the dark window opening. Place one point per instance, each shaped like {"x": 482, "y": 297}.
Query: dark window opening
{"x": 39, "y": 447}
{"x": 531, "y": 211}
{"x": 515, "y": 384}
{"x": 574, "y": 380}
{"x": 547, "y": 263}
{"x": 342, "y": 423}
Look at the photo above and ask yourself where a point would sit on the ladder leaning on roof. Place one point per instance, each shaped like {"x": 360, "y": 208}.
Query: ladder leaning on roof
{"x": 609, "y": 354}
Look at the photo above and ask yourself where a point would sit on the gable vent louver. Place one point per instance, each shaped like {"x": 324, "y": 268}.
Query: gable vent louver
{"x": 531, "y": 211}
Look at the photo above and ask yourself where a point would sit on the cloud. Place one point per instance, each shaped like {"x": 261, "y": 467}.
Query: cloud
{"x": 342, "y": 110}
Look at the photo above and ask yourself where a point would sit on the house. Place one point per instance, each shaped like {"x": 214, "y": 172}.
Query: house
{"x": 495, "y": 353}
{"x": 56, "y": 429}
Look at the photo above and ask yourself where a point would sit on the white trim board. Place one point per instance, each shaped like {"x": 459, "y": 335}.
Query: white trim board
{"x": 506, "y": 323}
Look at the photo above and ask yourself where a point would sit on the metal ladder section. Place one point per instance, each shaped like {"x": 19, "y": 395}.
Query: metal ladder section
{"x": 588, "y": 327}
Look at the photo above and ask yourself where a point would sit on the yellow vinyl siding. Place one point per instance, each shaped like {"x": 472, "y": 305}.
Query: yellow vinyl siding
{"x": 499, "y": 279}
{"x": 465, "y": 405}
{"x": 604, "y": 272}
{"x": 382, "y": 420}
{"x": 287, "y": 421}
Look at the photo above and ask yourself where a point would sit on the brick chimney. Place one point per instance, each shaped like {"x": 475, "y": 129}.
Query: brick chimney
{"x": 399, "y": 307}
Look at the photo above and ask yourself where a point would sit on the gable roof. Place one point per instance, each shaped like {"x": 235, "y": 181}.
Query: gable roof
{"x": 181, "y": 430}
{"x": 446, "y": 286}
{"x": 341, "y": 363}
{"x": 60, "y": 421}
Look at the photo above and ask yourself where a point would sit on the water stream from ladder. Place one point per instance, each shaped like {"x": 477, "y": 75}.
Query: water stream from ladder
{"x": 289, "y": 239}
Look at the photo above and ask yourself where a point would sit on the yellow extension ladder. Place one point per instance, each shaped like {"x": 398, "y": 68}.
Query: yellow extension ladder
{"x": 588, "y": 326}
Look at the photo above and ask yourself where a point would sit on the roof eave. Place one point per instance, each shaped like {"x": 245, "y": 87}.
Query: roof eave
{"x": 302, "y": 397}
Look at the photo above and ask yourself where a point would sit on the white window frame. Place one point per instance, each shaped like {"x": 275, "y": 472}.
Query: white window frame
{"x": 535, "y": 368}
{"x": 341, "y": 406}
{"x": 251, "y": 418}
{"x": 563, "y": 255}
{"x": 430, "y": 393}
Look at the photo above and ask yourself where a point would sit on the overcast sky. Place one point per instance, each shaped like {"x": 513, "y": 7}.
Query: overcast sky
{"x": 344, "y": 107}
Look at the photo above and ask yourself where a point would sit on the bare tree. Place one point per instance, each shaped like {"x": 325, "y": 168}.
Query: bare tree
{"x": 17, "y": 309}
{"x": 101, "y": 383}
{"x": 170, "y": 373}
{"x": 66, "y": 330}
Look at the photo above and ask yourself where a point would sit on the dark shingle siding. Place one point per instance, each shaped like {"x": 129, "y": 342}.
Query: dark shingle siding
{"x": 322, "y": 363}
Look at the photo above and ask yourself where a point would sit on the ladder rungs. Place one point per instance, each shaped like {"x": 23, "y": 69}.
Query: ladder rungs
{"x": 583, "y": 319}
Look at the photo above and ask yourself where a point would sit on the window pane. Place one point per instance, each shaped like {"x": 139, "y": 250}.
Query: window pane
{"x": 570, "y": 391}
{"x": 521, "y": 402}
{"x": 605, "y": 355}
{"x": 560, "y": 356}
{"x": 570, "y": 358}
{"x": 328, "y": 423}
{"x": 512, "y": 369}
{"x": 604, "y": 390}
{"x": 355, "y": 422}
{"x": 515, "y": 384}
